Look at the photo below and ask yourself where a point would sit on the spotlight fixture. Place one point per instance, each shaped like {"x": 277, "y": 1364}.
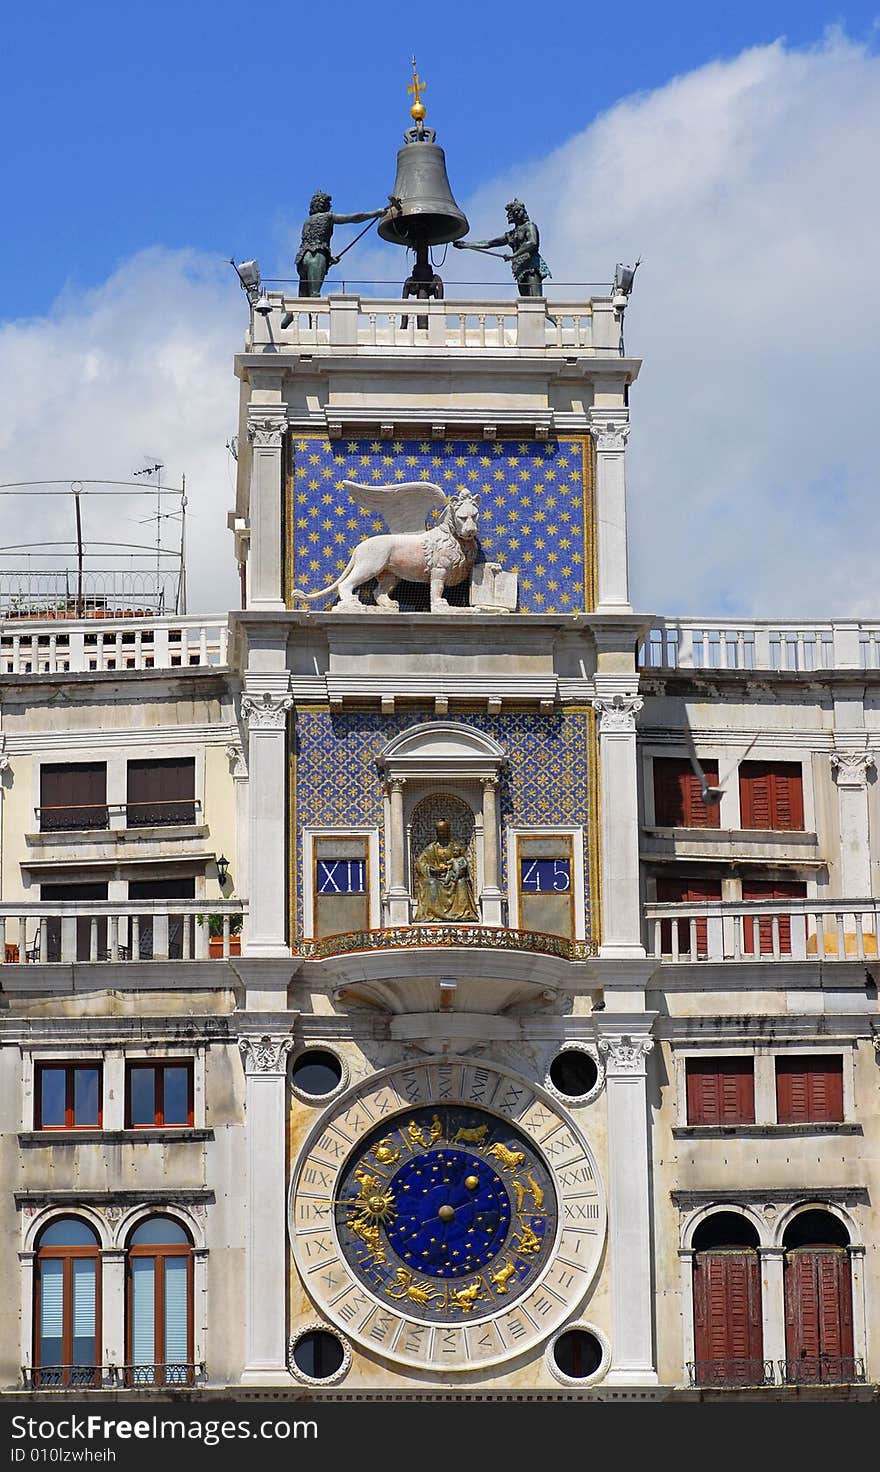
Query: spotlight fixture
{"x": 263, "y": 304}
{"x": 624, "y": 276}
{"x": 222, "y": 869}
{"x": 248, "y": 273}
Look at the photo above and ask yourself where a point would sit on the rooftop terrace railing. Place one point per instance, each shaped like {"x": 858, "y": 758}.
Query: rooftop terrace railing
{"x": 764, "y": 930}
{"x": 757, "y": 644}
{"x": 65, "y": 931}
{"x": 591, "y": 326}
{"x": 48, "y": 646}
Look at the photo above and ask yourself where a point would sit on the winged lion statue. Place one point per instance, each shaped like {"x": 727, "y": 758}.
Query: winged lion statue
{"x": 441, "y": 555}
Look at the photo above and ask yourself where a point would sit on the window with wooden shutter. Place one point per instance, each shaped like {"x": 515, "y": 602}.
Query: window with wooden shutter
{"x": 73, "y": 795}
{"x": 809, "y": 1089}
{"x": 728, "y": 1338}
{"x": 818, "y": 1315}
{"x": 686, "y": 892}
{"x": 720, "y": 1090}
{"x": 161, "y": 792}
{"x": 677, "y": 800}
{"x": 771, "y": 795}
{"x": 770, "y": 925}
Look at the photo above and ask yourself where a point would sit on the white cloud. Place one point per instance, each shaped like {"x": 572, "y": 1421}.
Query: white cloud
{"x": 748, "y": 186}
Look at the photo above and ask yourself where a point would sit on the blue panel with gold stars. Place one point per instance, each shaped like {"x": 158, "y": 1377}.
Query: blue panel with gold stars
{"x": 448, "y": 1212}
{"x": 535, "y": 507}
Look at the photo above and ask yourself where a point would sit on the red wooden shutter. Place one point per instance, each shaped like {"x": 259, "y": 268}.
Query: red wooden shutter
{"x": 809, "y": 1090}
{"x": 771, "y": 795}
{"x": 677, "y": 800}
{"x": 720, "y": 1091}
{"x": 728, "y": 1341}
{"x": 754, "y": 889}
{"x": 686, "y": 892}
{"x": 818, "y": 1312}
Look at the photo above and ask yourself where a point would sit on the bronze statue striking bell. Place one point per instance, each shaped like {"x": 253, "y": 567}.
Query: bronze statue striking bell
{"x": 428, "y": 213}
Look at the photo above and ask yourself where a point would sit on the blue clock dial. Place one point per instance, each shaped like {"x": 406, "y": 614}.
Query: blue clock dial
{"x": 448, "y": 1212}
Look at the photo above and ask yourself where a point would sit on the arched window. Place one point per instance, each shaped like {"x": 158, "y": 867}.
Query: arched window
{"x": 67, "y": 1305}
{"x": 728, "y": 1337}
{"x": 818, "y": 1300}
{"x": 160, "y": 1298}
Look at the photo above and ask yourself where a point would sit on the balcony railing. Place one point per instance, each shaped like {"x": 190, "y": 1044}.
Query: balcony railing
{"x": 37, "y": 643}
{"x": 105, "y": 1377}
{"x": 762, "y": 930}
{"x": 89, "y": 817}
{"x": 591, "y": 326}
{"x": 64, "y": 931}
{"x": 823, "y": 1369}
{"x": 730, "y": 1373}
{"x": 746, "y": 644}
{"x": 488, "y": 937}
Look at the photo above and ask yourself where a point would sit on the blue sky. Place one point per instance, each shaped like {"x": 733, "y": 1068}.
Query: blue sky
{"x": 734, "y": 147}
{"x": 208, "y": 125}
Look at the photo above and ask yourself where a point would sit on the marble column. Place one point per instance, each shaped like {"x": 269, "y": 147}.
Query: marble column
{"x": 113, "y": 1306}
{"x": 610, "y": 430}
{"x": 491, "y": 897}
{"x": 629, "y": 1206}
{"x": 772, "y": 1304}
{"x": 264, "y": 710}
{"x": 619, "y": 820}
{"x": 265, "y": 1065}
{"x": 239, "y": 773}
{"x": 398, "y": 890}
{"x": 266, "y": 429}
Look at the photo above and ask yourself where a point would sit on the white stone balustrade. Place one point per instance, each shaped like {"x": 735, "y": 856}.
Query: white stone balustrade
{"x": 764, "y": 930}
{"x": 115, "y": 930}
{"x": 746, "y": 644}
{"x": 332, "y": 322}
{"x": 42, "y": 646}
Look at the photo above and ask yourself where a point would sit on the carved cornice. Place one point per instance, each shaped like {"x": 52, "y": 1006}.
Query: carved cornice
{"x": 618, "y": 714}
{"x": 265, "y": 1055}
{"x": 266, "y": 712}
{"x": 851, "y": 767}
{"x": 625, "y": 1054}
{"x": 266, "y": 432}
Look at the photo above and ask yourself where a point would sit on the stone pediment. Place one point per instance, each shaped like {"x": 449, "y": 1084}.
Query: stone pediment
{"x": 442, "y": 748}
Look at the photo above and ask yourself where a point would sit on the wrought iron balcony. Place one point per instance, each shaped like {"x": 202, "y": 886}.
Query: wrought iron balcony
{"x": 105, "y": 1377}
{"x": 730, "y": 1373}
{"x": 404, "y": 937}
{"x": 823, "y": 1369}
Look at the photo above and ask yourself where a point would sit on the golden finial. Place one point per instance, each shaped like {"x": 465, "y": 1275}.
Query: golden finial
{"x": 418, "y": 109}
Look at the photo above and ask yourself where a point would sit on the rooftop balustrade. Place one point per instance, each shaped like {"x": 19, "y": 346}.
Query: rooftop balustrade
{"x": 66, "y": 931}
{"x": 46, "y": 645}
{"x": 757, "y": 644}
{"x": 764, "y": 930}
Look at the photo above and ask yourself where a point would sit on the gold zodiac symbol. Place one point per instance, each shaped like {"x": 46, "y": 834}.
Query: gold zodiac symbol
{"x": 465, "y": 1298}
{"x": 475, "y": 1136}
{"x": 385, "y": 1152}
{"x": 500, "y": 1279}
{"x": 422, "y": 1137}
{"x": 528, "y": 1242}
{"x": 369, "y": 1235}
{"x": 418, "y": 1293}
{"x": 536, "y": 1191}
{"x": 510, "y": 1158}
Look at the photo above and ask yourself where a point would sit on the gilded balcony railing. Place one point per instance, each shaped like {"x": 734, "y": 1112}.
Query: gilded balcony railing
{"x": 405, "y": 937}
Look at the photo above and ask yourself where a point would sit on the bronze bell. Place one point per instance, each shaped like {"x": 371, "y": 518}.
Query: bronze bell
{"x": 428, "y": 213}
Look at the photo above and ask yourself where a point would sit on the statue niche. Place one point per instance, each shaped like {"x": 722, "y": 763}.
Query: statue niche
{"x": 443, "y": 870}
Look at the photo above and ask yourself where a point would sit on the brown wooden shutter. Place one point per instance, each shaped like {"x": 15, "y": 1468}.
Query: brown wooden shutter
{"x": 677, "y": 800}
{"x": 809, "y": 1090}
{"x": 818, "y": 1308}
{"x": 727, "y": 1316}
{"x": 720, "y": 1090}
{"x": 73, "y": 795}
{"x": 771, "y": 795}
{"x": 686, "y": 892}
{"x": 161, "y": 792}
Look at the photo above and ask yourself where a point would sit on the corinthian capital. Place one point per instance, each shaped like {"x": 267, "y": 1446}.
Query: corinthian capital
{"x": 851, "y": 767}
{"x": 266, "y": 431}
{"x": 265, "y": 1055}
{"x": 266, "y": 712}
{"x": 618, "y": 713}
{"x": 610, "y": 429}
{"x": 625, "y": 1054}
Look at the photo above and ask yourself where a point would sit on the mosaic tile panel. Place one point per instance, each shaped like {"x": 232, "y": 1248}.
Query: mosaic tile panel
{"x": 535, "y": 508}
{"x": 547, "y": 778}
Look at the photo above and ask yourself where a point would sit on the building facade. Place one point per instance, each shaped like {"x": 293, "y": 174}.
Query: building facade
{"x": 448, "y": 984}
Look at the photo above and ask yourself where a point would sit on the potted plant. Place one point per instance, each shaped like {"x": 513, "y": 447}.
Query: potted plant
{"x": 214, "y": 923}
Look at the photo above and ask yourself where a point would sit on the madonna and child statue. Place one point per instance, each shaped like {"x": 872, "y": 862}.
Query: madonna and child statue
{"x": 443, "y": 886}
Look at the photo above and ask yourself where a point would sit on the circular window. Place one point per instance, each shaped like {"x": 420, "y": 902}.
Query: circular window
{"x": 578, "y": 1354}
{"x": 318, "y": 1356}
{"x": 317, "y": 1072}
{"x": 573, "y": 1073}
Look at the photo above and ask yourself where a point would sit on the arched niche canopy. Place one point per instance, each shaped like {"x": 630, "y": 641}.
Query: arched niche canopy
{"x": 442, "y": 749}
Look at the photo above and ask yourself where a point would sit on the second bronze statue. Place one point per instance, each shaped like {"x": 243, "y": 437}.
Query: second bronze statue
{"x": 313, "y": 259}
{"x": 529, "y": 268}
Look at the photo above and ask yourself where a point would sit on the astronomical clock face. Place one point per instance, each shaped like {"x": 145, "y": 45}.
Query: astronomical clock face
{"x": 447, "y": 1215}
